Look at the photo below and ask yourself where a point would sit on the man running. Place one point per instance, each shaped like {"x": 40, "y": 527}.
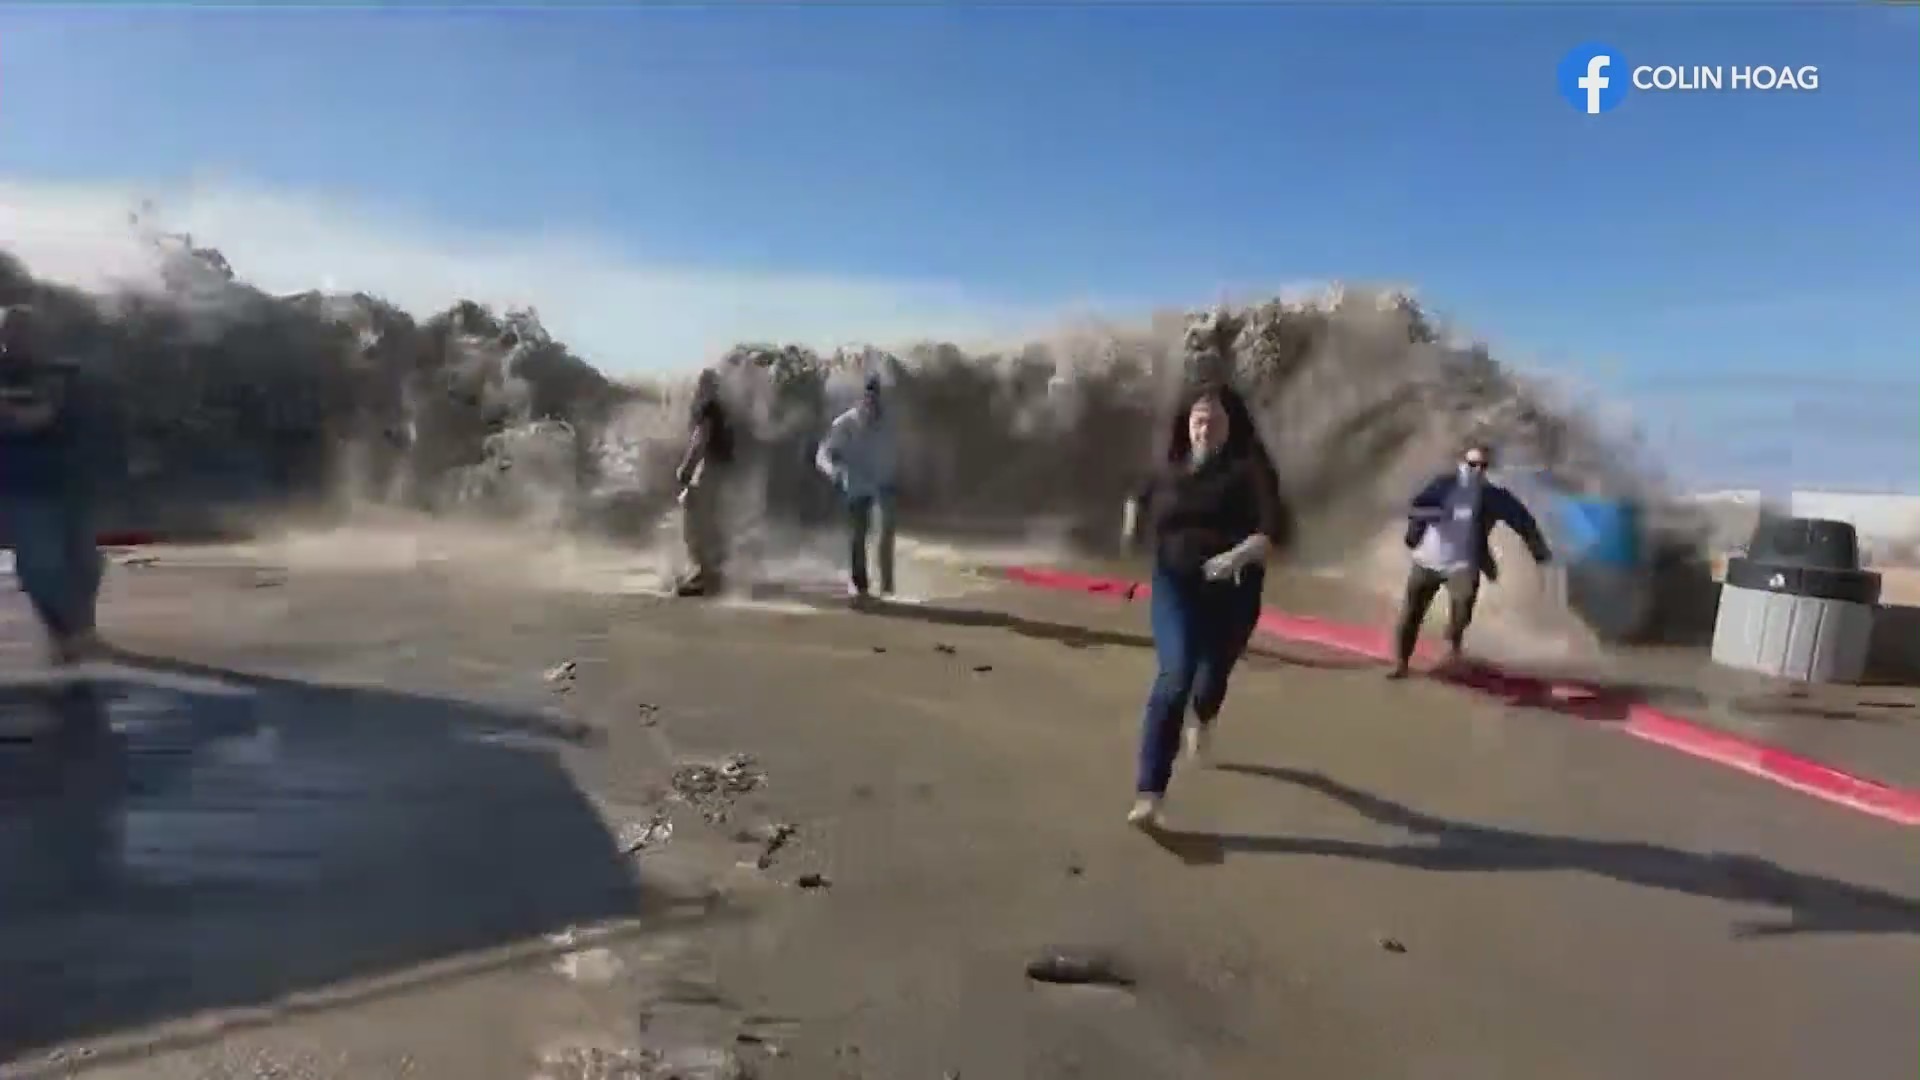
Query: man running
{"x": 702, "y": 479}
{"x": 1447, "y": 527}
{"x": 860, "y": 456}
{"x": 46, "y": 512}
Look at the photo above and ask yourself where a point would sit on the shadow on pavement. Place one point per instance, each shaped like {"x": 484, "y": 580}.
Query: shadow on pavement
{"x": 1073, "y": 636}
{"x": 1808, "y": 903}
{"x": 189, "y": 838}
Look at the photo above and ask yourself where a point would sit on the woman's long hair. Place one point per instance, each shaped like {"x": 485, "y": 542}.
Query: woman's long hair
{"x": 1242, "y": 436}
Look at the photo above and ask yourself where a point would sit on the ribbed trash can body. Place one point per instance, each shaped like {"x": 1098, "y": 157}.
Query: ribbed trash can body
{"x": 1790, "y": 609}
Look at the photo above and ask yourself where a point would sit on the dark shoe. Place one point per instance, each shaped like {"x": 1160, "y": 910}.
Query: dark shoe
{"x": 1397, "y": 671}
{"x": 64, "y": 650}
{"x": 696, "y": 587}
{"x": 83, "y": 646}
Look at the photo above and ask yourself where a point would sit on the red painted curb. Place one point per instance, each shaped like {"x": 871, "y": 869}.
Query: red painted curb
{"x": 1789, "y": 770}
{"x": 1067, "y": 581}
{"x": 1809, "y": 777}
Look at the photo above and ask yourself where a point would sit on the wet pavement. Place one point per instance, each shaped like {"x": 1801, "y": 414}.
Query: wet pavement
{"x": 1871, "y": 729}
{"x": 224, "y": 840}
{"x": 353, "y": 824}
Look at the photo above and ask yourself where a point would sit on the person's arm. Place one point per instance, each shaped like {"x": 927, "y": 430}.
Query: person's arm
{"x": 1134, "y": 512}
{"x": 1275, "y": 515}
{"x": 827, "y": 458}
{"x": 696, "y": 456}
{"x": 1429, "y": 503}
{"x": 1510, "y": 509}
{"x": 1272, "y": 524}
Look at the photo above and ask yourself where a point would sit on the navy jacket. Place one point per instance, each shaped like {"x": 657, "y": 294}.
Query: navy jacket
{"x": 1497, "y": 504}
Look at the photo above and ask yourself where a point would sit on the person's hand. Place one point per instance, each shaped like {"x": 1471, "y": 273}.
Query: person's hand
{"x": 680, "y": 496}
{"x": 1227, "y": 564}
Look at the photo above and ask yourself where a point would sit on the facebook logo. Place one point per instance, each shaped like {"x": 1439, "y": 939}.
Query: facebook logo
{"x": 1593, "y": 78}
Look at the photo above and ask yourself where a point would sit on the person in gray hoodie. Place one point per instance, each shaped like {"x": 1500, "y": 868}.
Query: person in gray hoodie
{"x": 860, "y": 456}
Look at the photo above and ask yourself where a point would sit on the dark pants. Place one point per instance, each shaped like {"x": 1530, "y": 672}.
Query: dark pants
{"x": 703, "y": 530}
{"x": 861, "y": 512}
{"x": 1463, "y": 588}
{"x": 54, "y": 558}
{"x": 1200, "y": 630}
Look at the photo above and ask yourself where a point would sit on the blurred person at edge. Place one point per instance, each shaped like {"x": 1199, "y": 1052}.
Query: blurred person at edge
{"x": 860, "y": 455}
{"x": 47, "y": 486}
{"x": 1214, "y": 513}
{"x": 702, "y": 477}
{"x": 1448, "y": 523}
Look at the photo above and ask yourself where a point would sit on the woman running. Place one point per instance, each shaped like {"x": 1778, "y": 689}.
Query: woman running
{"x": 1215, "y": 514}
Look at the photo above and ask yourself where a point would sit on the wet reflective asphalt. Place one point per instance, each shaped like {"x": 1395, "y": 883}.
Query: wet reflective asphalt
{"x": 178, "y": 839}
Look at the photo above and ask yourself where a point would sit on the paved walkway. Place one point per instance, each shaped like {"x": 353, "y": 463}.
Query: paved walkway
{"x": 1378, "y": 880}
{"x": 1870, "y": 731}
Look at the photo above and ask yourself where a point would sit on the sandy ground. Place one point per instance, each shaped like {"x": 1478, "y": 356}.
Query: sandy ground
{"x": 343, "y": 823}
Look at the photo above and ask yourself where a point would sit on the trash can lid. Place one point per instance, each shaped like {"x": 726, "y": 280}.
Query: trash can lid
{"x": 1816, "y": 543}
{"x": 1812, "y": 582}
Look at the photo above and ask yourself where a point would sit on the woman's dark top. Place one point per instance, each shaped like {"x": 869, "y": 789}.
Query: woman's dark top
{"x": 1195, "y": 514}
{"x": 717, "y": 436}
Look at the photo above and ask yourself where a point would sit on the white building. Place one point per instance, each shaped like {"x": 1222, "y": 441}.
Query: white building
{"x": 1888, "y": 525}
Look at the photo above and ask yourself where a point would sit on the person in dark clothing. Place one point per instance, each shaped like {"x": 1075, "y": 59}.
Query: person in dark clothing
{"x": 46, "y": 489}
{"x": 1214, "y": 514}
{"x": 702, "y": 480}
{"x": 1448, "y": 523}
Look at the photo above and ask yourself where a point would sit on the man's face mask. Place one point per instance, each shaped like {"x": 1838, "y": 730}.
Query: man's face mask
{"x": 1473, "y": 469}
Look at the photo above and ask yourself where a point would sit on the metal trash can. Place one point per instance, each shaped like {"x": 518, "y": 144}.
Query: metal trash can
{"x": 1798, "y": 605}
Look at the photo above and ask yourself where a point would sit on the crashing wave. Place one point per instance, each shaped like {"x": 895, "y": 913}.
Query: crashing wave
{"x": 238, "y": 403}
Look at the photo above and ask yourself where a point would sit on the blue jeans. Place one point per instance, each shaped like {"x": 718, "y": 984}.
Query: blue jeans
{"x": 1200, "y": 630}
{"x": 54, "y": 558}
{"x": 861, "y": 511}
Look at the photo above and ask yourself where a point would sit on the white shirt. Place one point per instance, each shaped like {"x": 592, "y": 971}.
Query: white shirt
{"x": 1437, "y": 551}
{"x": 859, "y": 447}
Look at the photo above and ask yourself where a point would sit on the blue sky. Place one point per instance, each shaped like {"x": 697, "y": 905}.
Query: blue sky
{"x": 1735, "y": 266}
